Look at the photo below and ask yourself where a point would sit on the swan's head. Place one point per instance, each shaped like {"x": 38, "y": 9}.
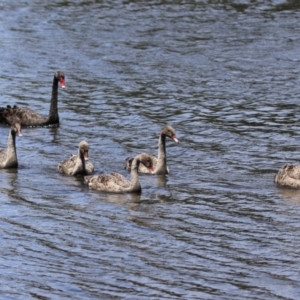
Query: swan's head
{"x": 170, "y": 132}
{"x": 60, "y": 76}
{"x": 147, "y": 161}
{"x": 16, "y": 128}
{"x": 84, "y": 150}
{"x": 128, "y": 163}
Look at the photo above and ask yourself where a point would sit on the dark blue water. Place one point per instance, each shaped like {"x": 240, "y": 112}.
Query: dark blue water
{"x": 225, "y": 75}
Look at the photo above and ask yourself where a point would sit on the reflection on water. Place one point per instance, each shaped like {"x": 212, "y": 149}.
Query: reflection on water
{"x": 225, "y": 75}
{"x": 123, "y": 199}
{"x": 8, "y": 181}
{"x": 162, "y": 180}
{"x": 292, "y": 195}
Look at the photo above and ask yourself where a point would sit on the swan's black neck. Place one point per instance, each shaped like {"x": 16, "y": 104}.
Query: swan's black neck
{"x": 84, "y": 172}
{"x": 14, "y": 146}
{"x": 53, "y": 113}
{"x": 12, "y": 161}
{"x": 162, "y": 146}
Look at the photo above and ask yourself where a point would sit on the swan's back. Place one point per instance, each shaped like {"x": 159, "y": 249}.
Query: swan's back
{"x": 73, "y": 166}
{"x": 23, "y": 115}
{"x": 67, "y": 166}
{"x": 288, "y": 176}
{"x": 116, "y": 182}
{"x": 89, "y": 167}
{"x": 113, "y": 182}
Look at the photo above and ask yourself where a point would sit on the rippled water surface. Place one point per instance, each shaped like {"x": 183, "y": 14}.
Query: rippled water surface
{"x": 225, "y": 75}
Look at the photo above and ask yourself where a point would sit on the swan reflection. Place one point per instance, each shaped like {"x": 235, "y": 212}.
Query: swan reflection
{"x": 131, "y": 201}
{"x": 289, "y": 194}
{"x": 162, "y": 180}
{"x": 9, "y": 176}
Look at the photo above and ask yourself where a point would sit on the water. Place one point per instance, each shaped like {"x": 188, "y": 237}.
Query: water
{"x": 225, "y": 75}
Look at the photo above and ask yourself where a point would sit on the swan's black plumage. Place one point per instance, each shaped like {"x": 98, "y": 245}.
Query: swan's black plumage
{"x": 28, "y": 117}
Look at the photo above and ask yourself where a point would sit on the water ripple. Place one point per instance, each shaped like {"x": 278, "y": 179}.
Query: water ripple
{"x": 225, "y": 76}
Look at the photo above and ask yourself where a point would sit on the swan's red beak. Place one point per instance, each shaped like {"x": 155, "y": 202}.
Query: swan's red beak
{"x": 86, "y": 155}
{"x": 151, "y": 169}
{"x": 62, "y": 83}
{"x": 174, "y": 138}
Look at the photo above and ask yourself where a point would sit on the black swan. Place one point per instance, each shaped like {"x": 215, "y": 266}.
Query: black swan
{"x": 117, "y": 183}
{"x": 9, "y": 159}
{"x": 77, "y": 164}
{"x": 160, "y": 162}
{"x": 27, "y": 117}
